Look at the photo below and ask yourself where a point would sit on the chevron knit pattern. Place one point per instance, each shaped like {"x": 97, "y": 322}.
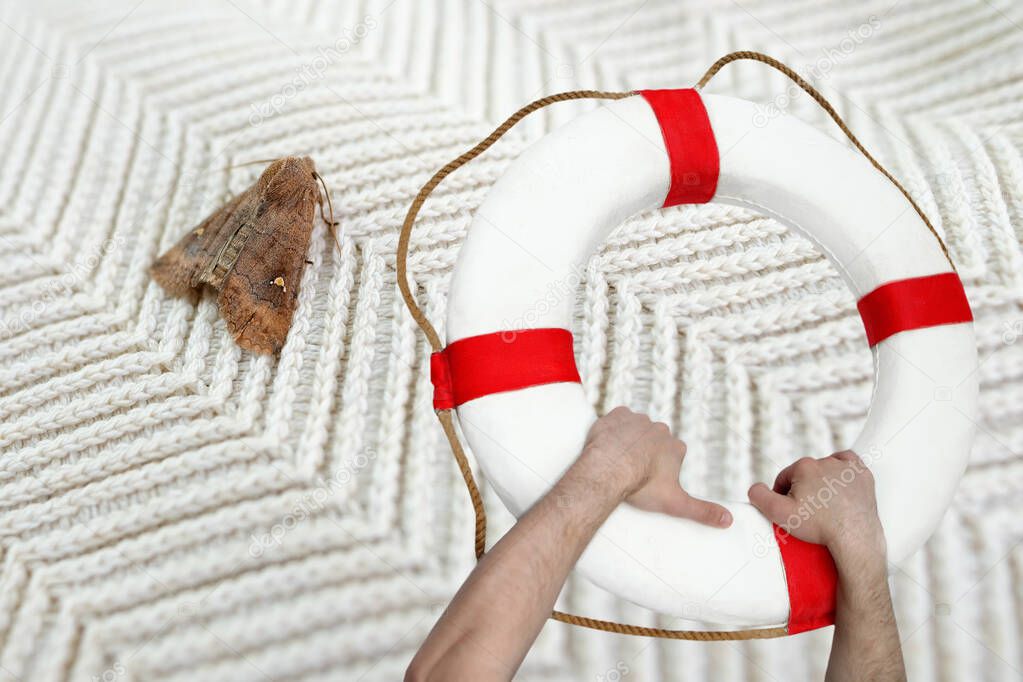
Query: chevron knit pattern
{"x": 174, "y": 509}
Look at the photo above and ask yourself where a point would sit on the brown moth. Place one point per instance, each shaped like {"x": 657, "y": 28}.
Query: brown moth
{"x": 253, "y": 252}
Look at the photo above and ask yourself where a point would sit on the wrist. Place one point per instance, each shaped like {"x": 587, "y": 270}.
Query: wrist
{"x": 585, "y": 495}
{"x": 605, "y": 474}
{"x": 859, "y": 552}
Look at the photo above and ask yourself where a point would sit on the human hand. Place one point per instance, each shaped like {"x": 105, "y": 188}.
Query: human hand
{"x": 828, "y": 501}
{"x": 641, "y": 460}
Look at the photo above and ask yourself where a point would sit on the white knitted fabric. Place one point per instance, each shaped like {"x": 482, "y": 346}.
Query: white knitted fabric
{"x": 172, "y": 508}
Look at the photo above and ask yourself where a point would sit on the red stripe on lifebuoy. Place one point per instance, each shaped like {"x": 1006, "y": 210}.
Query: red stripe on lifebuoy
{"x": 914, "y": 303}
{"x": 503, "y": 361}
{"x": 812, "y": 579}
{"x": 689, "y": 140}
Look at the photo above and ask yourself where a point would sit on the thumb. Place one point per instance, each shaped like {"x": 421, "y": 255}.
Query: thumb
{"x": 685, "y": 506}
{"x": 778, "y": 508}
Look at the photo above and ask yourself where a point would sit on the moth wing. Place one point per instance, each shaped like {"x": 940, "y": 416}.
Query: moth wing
{"x": 182, "y": 267}
{"x": 259, "y": 294}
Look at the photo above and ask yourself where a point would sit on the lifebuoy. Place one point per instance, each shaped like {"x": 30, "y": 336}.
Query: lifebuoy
{"x": 517, "y": 391}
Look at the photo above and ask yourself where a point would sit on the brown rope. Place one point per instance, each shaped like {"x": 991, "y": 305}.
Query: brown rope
{"x": 446, "y": 416}
{"x": 830, "y": 110}
{"x": 693, "y": 635}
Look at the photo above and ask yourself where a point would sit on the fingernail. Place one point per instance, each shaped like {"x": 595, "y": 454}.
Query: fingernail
{"x": 725, "y": 520}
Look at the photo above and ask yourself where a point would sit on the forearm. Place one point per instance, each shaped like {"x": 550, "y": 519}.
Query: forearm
{"x": 866, "y": 643}
{"x": 492, "y": 621}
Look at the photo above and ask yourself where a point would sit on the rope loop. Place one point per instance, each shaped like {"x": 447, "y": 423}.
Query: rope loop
{"x": 446, "y": 417}
{"x": 830, "y": 111}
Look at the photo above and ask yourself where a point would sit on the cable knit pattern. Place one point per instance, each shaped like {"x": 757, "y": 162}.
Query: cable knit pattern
{"x": 174, "y": 509}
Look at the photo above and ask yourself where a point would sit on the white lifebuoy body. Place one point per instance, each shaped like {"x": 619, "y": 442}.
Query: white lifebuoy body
{"x": 546, "y": 217}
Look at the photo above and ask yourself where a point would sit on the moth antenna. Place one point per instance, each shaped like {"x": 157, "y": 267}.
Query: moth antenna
{"x": 330, "y": 204}
{"x": 235, "y": 165}
{"x": 249, "y": 163}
